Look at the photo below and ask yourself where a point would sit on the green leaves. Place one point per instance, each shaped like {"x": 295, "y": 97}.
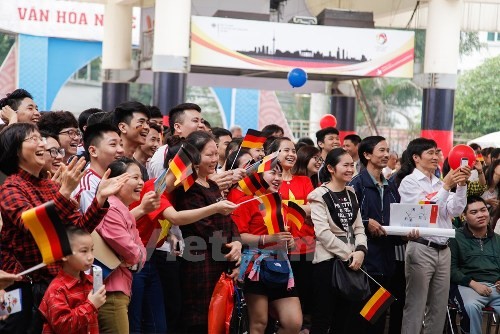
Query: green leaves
{"x": 477, "y": 99}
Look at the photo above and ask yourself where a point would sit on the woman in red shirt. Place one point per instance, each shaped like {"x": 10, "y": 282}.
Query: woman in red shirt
{"x": 281, "y": 299}
{"x": 296, "y": 188}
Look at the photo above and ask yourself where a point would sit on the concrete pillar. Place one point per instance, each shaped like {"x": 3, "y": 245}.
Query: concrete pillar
{"x": 171, "y": 52}
{"x": 344, "y": 110}
{"x": 116, "y": 54}
{"x": 442, "y": 42}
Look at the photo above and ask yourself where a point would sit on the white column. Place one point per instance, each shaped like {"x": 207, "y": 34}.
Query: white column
{"x": 320, "y": 106}
{"x": 171, "y": 36}
{"x": 117, "y": 40}
{"x": 442, "y": 38}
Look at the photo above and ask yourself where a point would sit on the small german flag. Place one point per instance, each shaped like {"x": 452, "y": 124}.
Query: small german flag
{"x": 253, "y": 139}
{"x": 480, "y": 157}
{"x": 48, "y": 231}
{"x": 377, "y": 305}
{"x": 182, "y": 166}
{"x": 267, "y": 163}
{"x": 295, "y": 214}
{"x": 189, "y": 181}
{"x": 254, "y": 184}
{"x": 273, "y": 218}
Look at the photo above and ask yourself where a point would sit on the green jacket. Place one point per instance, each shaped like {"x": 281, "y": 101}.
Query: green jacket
{"x": 474, "y": 258}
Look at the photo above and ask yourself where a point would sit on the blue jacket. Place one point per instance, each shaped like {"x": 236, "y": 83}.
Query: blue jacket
{"x": 380, "y": 259}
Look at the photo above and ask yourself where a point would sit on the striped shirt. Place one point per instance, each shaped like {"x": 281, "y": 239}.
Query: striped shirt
{"x": 85, "y": 192}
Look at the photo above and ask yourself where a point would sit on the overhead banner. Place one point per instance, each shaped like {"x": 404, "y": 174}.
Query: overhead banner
{"x": 325, "y": 50}
{"x": 56, "y": 18}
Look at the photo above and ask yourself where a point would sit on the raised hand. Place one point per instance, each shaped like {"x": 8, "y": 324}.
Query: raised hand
{"x": 110, "y": 186}
{"x": 71, "y": 176}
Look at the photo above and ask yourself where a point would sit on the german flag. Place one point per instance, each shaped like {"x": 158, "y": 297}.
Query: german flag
{"x": 377, "y": 305}
{"x": 254, "y": 184}
{"x": 181, "y": 166}
{"x": 48, "y": 232}
{"x": 267, "y": 163}
{"x": 295, "y": 214}
{"x": 273, "y": 218}
{"x": 253, "y": 139}
{"x": 189, "y": 181}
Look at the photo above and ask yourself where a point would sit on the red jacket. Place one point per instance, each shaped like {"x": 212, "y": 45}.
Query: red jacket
{"x": 66, "y": 307}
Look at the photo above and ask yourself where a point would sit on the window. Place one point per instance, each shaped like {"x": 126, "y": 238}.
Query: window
{"x": 491, "y": 37}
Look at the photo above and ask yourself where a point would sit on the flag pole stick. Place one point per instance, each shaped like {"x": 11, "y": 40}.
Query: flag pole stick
{"x": 254, "y": 198}
{"x": 235, "y": 157}
{"x": 38, "y": 266}
{"x": 373, "y": 279}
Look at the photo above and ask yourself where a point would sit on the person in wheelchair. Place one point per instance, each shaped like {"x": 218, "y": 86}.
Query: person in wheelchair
{"x": 475, "y": 264}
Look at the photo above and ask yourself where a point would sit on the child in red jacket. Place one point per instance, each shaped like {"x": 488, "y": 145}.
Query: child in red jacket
{"x": 69, "y": 306}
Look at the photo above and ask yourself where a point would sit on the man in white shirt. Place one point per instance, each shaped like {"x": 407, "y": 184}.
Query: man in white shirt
{"x": 428, "y": 259}
{"x": 102, "y": 142}
{"x": 351, "y": 144}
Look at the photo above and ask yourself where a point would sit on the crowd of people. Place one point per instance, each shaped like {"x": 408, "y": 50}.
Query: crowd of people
{"x": 100, "y": 171}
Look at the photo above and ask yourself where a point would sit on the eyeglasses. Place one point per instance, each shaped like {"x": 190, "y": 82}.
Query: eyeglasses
{"x": 72, "y": 133}
{"x": 318, "y": 158}
{"x": 36, "y": 139}
{"x": 55, "y": 151}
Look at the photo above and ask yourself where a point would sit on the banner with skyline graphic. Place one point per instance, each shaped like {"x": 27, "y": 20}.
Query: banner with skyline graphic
{"x": 279, "y": 47}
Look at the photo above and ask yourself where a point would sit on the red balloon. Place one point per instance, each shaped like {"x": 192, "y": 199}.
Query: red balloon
{"x": 328, "y": 121}
{"x": 461, "y": 151}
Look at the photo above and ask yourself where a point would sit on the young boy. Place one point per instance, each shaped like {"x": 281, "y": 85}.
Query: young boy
{"x": 69, "y": 306}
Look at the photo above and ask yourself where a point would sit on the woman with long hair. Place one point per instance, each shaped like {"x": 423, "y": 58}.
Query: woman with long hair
{"x": 261, "y": 242}
{"x": 213, "y": 235}
{"x": 339, "y": 234}
{"x": 308, "y": 163}
{"x": 296, "y": 188}
{"x": 118, "y": 229}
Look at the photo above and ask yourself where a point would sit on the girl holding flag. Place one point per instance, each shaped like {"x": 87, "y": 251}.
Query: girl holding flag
{"x": 295, "y": 189}
{"x": 265, "y": 239}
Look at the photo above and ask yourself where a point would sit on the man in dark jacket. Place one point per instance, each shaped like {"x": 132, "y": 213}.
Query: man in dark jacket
{"x": 475, "y": 266}
{"x": 375, "y": 195}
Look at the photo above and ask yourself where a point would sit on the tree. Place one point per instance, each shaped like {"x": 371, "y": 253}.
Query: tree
{"x": 477, "y": 99}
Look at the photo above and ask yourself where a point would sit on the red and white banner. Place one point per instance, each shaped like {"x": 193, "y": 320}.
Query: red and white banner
{"x": 55, "y": 18}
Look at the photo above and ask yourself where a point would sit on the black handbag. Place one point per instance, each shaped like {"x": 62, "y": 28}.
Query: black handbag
{"x": 239, "y": 323}
{"x": 350, "y": 284}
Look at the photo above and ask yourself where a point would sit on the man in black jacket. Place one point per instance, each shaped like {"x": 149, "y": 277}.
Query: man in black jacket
{"x": 375, "y": 195}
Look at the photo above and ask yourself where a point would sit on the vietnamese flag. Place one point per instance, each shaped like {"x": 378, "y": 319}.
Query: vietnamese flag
{"x": 253, "y": 139}
{"x": 48, "y": 231}
{"x": 181, "y": 166}
{"x": 273, "y": 218}
{"x": 295, "y": 214}
{"x": 377, "y": 305}
{"x": 254, "y": 184}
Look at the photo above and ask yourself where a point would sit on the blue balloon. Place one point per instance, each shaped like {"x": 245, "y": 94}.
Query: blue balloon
{"x": 297, "y": 77}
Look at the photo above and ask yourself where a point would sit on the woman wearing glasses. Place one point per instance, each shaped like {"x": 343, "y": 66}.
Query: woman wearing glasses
{"x": 22, "y": 158}
{"x": 309, "y": 161}
{"x": 53, "y": 156}
{"x": 64, "y": 126}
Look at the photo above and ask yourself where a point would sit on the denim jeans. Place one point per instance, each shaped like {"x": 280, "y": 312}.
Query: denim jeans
{"x": 146, "y": 312}
{"x": 474, "y": 303}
